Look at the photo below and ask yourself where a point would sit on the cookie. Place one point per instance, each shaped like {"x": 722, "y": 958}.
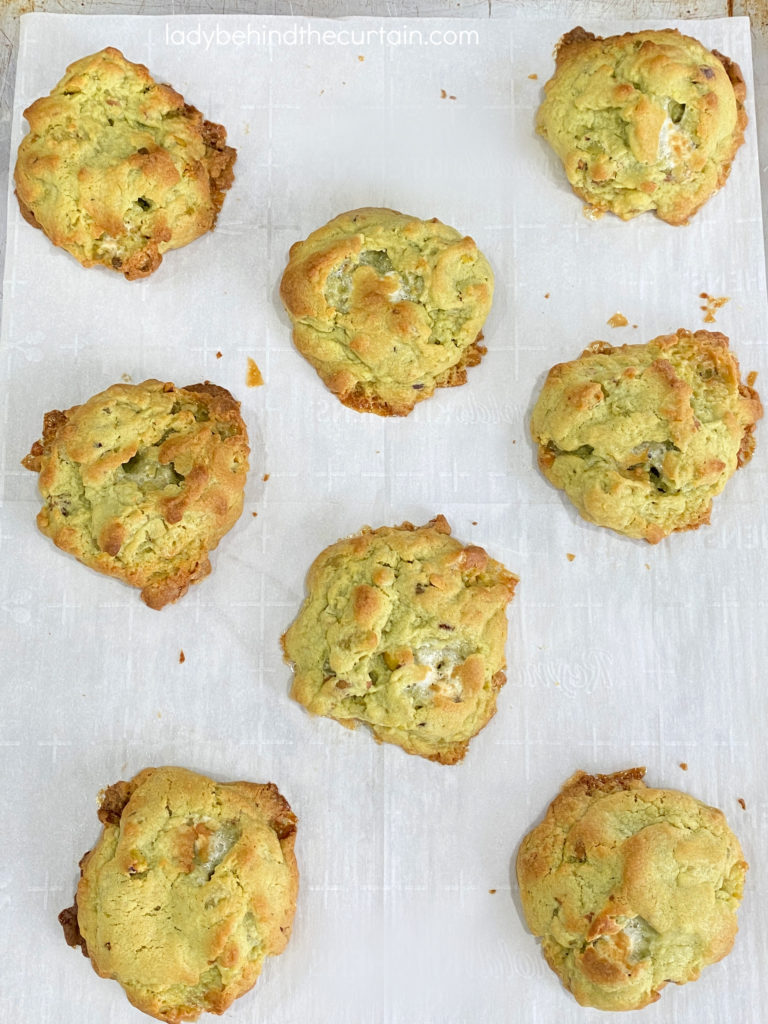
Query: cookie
{"x": 142, "y": 481}
{"x": 629, "y": 888}
{"x": 643, "y": 121}
{"x": 404, "y": 629}
{"x": 191, "y": 885}
{"x": 387, "y": 307}
{"x": 642, "y": 437}
{"x": 117, "y": 169}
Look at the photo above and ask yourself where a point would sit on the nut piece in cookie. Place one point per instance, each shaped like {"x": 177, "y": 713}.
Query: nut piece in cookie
{"x": 629, "y": 888}
{"x": 387, "y": 307}
{"x": 117, "y": 169}
{"x": 404, "y": 629}
{"x": 142, "y": 481}
{"x": 191, "y": 885}
{"x": 644, "y": 121}
{"x": 642, "y": 437}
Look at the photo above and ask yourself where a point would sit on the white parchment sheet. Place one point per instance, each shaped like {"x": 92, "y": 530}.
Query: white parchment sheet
{"x": 628, "y": 654}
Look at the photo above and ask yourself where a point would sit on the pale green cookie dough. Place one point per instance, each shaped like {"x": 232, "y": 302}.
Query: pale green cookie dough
{"x": 644, "y": 121}
{"x": 117, "y": 169}
{"x": 629, "y": 888}
{"x": 387, "y": 307}
{"x": 191, "y": 885}
{"x": 642, "y": 437}
{"x": 404, "y": 629}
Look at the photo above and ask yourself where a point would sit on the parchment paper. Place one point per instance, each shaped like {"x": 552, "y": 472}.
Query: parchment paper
{"x": 628, "y": 654}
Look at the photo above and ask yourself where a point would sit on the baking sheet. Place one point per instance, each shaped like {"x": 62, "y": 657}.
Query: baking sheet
{"x": 628, "y": 654}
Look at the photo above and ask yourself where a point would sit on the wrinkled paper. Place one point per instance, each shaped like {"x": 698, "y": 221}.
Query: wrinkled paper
{"x": 625, "y": 654}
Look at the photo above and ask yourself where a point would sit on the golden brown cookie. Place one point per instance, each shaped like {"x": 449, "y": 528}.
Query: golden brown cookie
{"x": 404, "y": 629}
{"x": 117, "y": 169}
{"x": 191, "y": 885}
{"x": 387, "y": 307}
{"x": 643, "y": 121}
{"x": 629, "y": 888}
{"x": 642, "y": 437}
{"x": 142, "y": 481}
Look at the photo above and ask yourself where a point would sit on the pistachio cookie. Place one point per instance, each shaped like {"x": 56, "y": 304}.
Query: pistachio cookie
{"x": 629, "y": 888}
{"x": 191, "y": 885}
{"x": 387, "y": 307}
{"x": 404, "y": 629}
{"x": 644, "y": 121}
{"x": 142, "y": 481}
{"x": 117, "y": 169}
{"x": 642, "y": 437}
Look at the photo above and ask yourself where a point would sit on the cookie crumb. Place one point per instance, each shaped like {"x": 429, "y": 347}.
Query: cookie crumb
{"x": 253, "y": 378}
{"x": 617, "y": 320}
{"x": 474, "y": 522}
{"x": 546, "y": 295}
{"x": 711, "y": 306}
{"x": 360, "y": 57}
{"x": 751, "y": 378}
{"x": 492, "y": 891}
{"x": 265, "y": 477}
{"x": 443, "y": 94}
{"x": 634, "y": 327}
{"x": 254, "y": 514}
{"x": 742, "y": 803}
{"x": 182, "y": 658}
{"x": 533, "y": 77}
{"x": 647, "y": 566}
{"x": 126, "y": 378}
{"x": 592, "y": 213}
{"x": 684, "y": 765}
{"x": 569, "y": 556}
{"x": 218, "y": 355}
{"x": 451, "y": 97}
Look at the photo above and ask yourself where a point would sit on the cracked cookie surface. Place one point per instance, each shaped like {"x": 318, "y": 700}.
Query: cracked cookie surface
{"x": 142, "y": 481}
{"x": 404, "y": 629}
{"x": 642, "y": 437}
{"x": 646, "y": 121}
{"x": 387, "y": 307}
{"x": 117, "y": 169}
{"x": 629, "y": 888}
{"x": 191, "y": 885}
